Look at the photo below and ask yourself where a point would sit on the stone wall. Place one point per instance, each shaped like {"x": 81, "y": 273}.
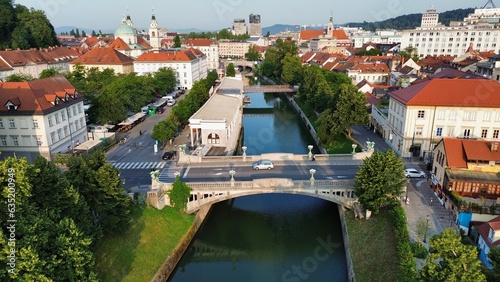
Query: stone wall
{"x": 173, "y": 259}
{"x": 343, "y": 224}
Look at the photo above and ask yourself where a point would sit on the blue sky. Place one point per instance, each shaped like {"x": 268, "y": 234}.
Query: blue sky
{"x": 217, "y": 14}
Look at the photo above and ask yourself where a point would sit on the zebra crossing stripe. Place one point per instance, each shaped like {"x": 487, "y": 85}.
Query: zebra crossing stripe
{"x": 151, "y": 165}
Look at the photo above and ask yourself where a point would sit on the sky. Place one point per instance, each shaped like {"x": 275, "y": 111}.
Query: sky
{"x": 217, "y": 14}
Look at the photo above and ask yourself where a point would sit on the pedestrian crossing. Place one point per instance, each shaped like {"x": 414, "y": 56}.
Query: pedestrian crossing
{"x": 139, "y": 165}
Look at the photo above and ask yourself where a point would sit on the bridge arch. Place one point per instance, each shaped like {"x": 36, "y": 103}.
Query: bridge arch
{"x": 337, "y": 191}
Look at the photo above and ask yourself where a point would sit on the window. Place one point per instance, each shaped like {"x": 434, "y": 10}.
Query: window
{"x": 63, "y": 115}
{"x": 82, "y": 122}
{"x": 53, "y": 137}
{"x": 439, "y": 131}
{"x": 484, "y": 133}
{"x": 3, "y": 141}
{"x": 57, "y": 117}
{"x": 495, "y": 133}
{"x": 38, "y": 140}
{"x": 451, "y": 131}
{"x": 497, "y": 117}
{"x": 15, "y": 141}
{"x": 440, "y": 115}
{"x": 65, "y": 130}
{"x": 79, "y": 108}
{"x": 1, "y": 123}
{"x": 51, "y": 122}
{"x": 77, "y": 125}
{"x": 12, "y": 123}
{"x": 420, "y": 114}
{"x": 74, "y": 110}
{"x": 453, "y": 115}
{"x": 469, "y": 115}
{"x": 487, "y": 116}
{"x": 69, "y": 112}
{"x": 467, "y": 133}
{"x": 59, "y": 134}
{"x": 418, "y": 131}
{"x": 35, "y": 123}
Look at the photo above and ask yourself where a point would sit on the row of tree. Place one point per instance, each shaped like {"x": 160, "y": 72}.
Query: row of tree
{"x": 58, "y": 216}
{"x": 24, "y": 28}
{"x": 113, "y": 96}
{"x": 221, "y": 34}
{"x": 180, "y": 114}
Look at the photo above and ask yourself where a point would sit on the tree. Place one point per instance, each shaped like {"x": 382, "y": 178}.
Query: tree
{"x": 450, "y": 260}
{"x": 350, "y": 108}
{"x": 177, "y": 41}
{"x": 212, "y": 76}
{"x": 292, "y": 69}
{"x": 179, "y": 195}
{"x": 493, "y": 274}
{"x": 230, "y": 72}
{"x": 164, "y": 130}
{"x": 94, "y": 33}
{"x": 164, "y": 80}
{"x": 410, "y": 52}
{"x": 50, "y": 72}
{"x": 380, "y": 180}
{"x": 422, "y": 228}
{"x": 252, "y": 54}
{"x": 84, "y": 34}
{"x": 267, "y": 34}
{"x": 41, "y": 31}
{"x": 18, "y": 77}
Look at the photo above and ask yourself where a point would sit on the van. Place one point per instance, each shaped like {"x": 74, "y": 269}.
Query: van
{"x": 170, "y": 96}
{"x": 145, "y": 109}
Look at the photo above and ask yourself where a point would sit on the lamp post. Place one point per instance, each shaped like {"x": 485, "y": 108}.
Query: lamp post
{"x": 426, "y": 227}
{"x": 312, "y": 171}
{"x": 354, "y": 148}
{"x": 309, "y": 155}
{"x": 244, "y": 148}
{"x": 231, "y": 172}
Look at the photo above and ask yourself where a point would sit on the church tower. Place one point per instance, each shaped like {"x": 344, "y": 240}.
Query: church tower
{"x": 128, "y": 20}
{"x": 154, "y": 33}
{"x": 329, "y": 30}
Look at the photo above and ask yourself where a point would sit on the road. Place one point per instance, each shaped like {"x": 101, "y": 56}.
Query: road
{"x": 245, "y": 172}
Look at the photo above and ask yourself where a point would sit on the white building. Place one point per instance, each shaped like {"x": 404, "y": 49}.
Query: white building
{"x": 40, "y": 117}
{"x": 209, "y": 47}
{"x": 378, "y": 37}
{"x": 420, "y": 115}
{"x": 239, "y": 27}
{"x": 479, "y": 28}
{"x": 189, "y": 65}
{"x": 154, "y": 33}
{"x": 230, "y": 48}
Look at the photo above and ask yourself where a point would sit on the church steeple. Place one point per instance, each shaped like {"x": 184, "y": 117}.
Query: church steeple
{"x": 330, "y": 26}
{"x": 154, "y": 23}
{"x": 128, "y": 20}
{"x": 154, "y": 33}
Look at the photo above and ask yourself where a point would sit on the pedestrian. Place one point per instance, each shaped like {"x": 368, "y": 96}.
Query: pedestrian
{"x": 140, "y": 132}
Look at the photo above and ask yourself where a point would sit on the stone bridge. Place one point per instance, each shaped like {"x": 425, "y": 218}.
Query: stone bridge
{"x": 337, "y": 191}
{"x": 241, "y": 64}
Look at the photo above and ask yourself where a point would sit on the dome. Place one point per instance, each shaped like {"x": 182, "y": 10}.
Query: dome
{"x": 124, "y": 30}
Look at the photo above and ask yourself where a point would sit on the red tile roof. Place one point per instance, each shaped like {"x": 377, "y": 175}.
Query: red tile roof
{"x": 35, "y": 96}
{"x": 141, "y": 41}
{"x": 455, "y": 157}
{"x": 103, "y": 56}
{"x": 309, "y": 34}
{"x": 451, "y": 92}
{"x": 370, "y": 68}
{"x": 199, "y": 42}
{"x": 339, "y": 34}
{"x": 185, "y": 55}
{"x": 484, "y": 230}
{"x": 479, "y": 150}
{"x": 119, "y": 44}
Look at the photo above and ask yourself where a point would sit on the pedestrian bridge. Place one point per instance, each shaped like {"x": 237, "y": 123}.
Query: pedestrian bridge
{"x": 337, "y": 191}
{"x": 271, "y": 88}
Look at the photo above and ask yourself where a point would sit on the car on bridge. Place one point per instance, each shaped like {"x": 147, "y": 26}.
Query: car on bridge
{"x": 168, "y": 155}
{"x": 263, "y": 164}
{"x": 410, "y": 173}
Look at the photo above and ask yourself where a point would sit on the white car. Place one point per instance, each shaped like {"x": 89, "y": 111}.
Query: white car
{"x": 171, "y": 103}
{"x": 410, "y": 173}
{"x": 263, "y": 164}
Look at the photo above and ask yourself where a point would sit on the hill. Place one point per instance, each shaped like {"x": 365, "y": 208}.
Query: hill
{"x": 411, "y": 21}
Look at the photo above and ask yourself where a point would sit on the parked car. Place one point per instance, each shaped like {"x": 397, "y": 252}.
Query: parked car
{"x": 263, "y": 164}
{"x": 171, "y": 103}
{"x": 168, "y": 155}
{"x": 410, "y": 173}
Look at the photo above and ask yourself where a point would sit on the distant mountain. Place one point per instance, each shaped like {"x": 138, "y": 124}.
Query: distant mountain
{"x": 189, "y": 30}
{"x": 411, "y": 21}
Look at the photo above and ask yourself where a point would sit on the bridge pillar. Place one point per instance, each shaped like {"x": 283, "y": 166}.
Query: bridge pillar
{"x": 244, "y": 148}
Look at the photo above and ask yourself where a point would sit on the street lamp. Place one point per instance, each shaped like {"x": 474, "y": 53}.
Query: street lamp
{"x": 310, "y": 147}
{"x": 232, "y": 172}
{"x": 354, "y": 148}
{"x": 312, "y": 171}
{"x": 426, "y": 227}
{"x": 244, "y": 149}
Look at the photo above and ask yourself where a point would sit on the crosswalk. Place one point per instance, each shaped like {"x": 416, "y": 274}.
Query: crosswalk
{"x": 139, "y": 165}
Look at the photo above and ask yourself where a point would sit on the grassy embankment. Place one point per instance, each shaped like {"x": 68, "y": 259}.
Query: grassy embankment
{"x": 138, "y": 253}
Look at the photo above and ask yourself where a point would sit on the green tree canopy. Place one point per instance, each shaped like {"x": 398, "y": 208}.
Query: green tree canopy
{"x": 292, "y": 69}
{"x": 252, "y": 54}
{"x": 50, "y": 72}
{"x": 350, "y": 108}
{"x": 164, "y": 130}
{"x": 177, "y": 41}
{"x": 179, "y": 194}
{"x": 18, "y": 77}
{"x": 230, "y": 72}
{"x": 493, "y": 274}
{"x": 450, "y": 260}
{"x": 380, "y": 180}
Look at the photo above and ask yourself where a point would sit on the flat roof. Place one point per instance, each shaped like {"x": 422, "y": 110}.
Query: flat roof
{"x": 473, "y": 176}
{"x": 219, "y": 107}
{"x": 231, "y": 85}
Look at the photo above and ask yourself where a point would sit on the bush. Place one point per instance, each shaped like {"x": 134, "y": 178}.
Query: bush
{"x": 419, "y": 250}
{"x": 407, "y": 263}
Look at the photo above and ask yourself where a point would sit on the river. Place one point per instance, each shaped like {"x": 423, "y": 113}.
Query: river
{"x": 269, "y": 237}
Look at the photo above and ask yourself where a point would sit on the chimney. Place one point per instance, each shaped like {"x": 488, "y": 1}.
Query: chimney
{"x": 494, "y": 147}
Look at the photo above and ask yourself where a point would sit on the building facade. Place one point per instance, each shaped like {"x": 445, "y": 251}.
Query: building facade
{"x": 190, "y": 65}
{"x": 254, "y": 26}
{"x": 239, "y": 27}
{"x": 105, "y": 58}
{"x": 40, "y": 117}
{"x": 232, "y": 48}
{"x": 209, "y": 47}
{"x": 480, "y": 29}
{"x": 420, "y": 115}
